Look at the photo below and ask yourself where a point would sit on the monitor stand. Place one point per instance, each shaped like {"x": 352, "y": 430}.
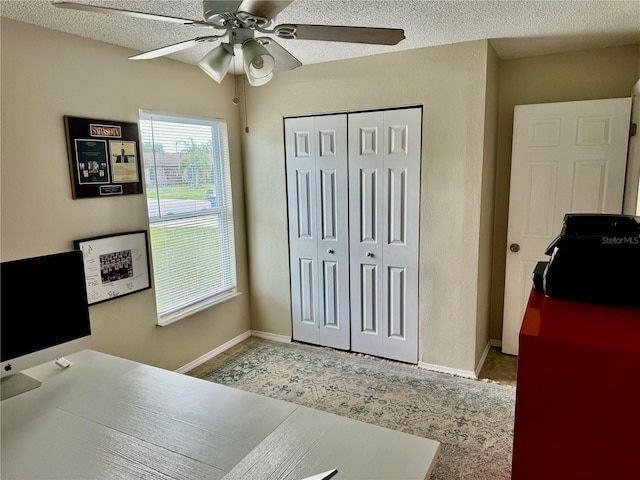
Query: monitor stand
{"x": 16, "y": 384}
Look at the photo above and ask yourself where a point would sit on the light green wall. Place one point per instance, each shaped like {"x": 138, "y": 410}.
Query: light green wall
{"x": 46, "y": 75}
{"x": 450, "y": 82}
{"x": 587, "y": 75}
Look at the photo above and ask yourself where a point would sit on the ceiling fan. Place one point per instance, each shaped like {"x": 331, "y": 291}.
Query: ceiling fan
{"x": 244, "y": 23}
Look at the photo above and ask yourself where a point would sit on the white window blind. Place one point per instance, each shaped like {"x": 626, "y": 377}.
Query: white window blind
{"x": 188, "y": 188}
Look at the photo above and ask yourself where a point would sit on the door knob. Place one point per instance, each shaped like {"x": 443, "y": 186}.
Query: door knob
{"x": 369, "y": 254}
{"x": 514, "y": 247}
{"x": 329, "y": 251}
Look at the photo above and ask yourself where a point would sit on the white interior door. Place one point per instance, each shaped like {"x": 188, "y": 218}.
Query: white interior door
{"x": 316, "y": 160}
{"x": 567, "y": 157}
{"x": 384, "y": 199}
{"x": 632, "y": 185}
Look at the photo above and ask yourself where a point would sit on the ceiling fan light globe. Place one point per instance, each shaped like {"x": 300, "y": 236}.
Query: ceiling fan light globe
{"x": 256, "y": 82}
{"x": 261, "y": 66}
{"x": 216, "y": 63}
{"x": 258, "y": 62}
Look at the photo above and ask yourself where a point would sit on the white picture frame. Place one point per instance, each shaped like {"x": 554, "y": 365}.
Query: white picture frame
{"x": 115, "y": 265}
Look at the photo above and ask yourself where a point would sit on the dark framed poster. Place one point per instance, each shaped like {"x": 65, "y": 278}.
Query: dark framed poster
{"x": 104, "y": 157}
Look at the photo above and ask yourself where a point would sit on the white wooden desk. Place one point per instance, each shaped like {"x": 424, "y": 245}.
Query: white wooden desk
{"x": 109, "y": 418}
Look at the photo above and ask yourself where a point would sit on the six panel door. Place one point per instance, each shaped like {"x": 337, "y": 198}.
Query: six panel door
{"x": 384, "y": 200}
{"x": 316, "y": 159}
{"x": 567, "y": 157}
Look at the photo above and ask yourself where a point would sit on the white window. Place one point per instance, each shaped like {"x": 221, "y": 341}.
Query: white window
{"x": 188, "y": 189}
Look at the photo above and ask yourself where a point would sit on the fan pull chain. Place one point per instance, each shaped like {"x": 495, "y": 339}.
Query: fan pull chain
{"x": 246, "y": 115}
{"x": 236, "y": 99}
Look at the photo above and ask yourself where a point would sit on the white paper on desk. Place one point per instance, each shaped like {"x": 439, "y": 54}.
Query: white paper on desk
{"x": 322, "y": 476}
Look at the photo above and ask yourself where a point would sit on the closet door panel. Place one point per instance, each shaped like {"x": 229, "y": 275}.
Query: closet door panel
{"x": 306, "y": 278}
{"x": 403, "y": 144}
{"x": 301, "y": 203}
{"x": 333, "y": 230}
{"x": 366, "y": 161}
{"x": 384, "y": 189}
{"x": 397, "y": 303}
{"x": 368, "y": 302}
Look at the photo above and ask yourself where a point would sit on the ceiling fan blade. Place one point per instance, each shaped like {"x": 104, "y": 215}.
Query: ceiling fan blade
{"x": 264, "y": 8}
{"x": 127, "y": 13}
{"x": 176, "y": 47}
{"x": 335, "y": 33}
{"x": 284, "y": 60}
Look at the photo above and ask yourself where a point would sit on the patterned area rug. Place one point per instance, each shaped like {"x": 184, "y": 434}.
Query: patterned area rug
{"x": 472, "y": 419}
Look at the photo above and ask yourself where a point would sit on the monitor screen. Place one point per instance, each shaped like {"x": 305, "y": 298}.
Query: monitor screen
{"x": 44, "y": 310}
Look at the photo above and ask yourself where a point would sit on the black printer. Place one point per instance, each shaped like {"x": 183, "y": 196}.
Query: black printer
{"x": 596, "y": 258}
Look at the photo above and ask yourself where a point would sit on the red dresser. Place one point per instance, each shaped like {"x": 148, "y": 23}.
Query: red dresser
{"x": 578, "y": 392}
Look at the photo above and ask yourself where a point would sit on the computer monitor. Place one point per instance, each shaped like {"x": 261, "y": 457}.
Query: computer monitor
{"x": 44, "y": 315}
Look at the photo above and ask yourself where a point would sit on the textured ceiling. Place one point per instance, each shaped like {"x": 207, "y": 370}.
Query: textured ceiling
{"x": 517, "y": 28}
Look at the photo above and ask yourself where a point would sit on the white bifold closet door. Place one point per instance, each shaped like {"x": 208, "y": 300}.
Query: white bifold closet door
{"x": 316, "y": 163}
{"x": 384, "y": 199}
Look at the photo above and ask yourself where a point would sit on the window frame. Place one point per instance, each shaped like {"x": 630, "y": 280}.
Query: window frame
{"x": 222, "y": 210}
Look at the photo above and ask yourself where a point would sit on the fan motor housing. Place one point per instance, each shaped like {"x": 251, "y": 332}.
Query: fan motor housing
{"x": 238, "y": 36}
{"x": 219, "y": 12}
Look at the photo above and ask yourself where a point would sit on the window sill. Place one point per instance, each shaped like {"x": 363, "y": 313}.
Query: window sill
{"x": 186, "y": 312}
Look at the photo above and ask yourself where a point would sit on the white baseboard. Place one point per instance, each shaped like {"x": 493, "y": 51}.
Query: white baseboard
{"x": 226, "y": 346}
{"x": 213, "y": 353}
{"x": 271, "y": 336}
{"x": 483, "y": 358}
{"x": 464, "y": 373}
{"x": 286, "y": 339}
{"x": 450, "y": 371}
